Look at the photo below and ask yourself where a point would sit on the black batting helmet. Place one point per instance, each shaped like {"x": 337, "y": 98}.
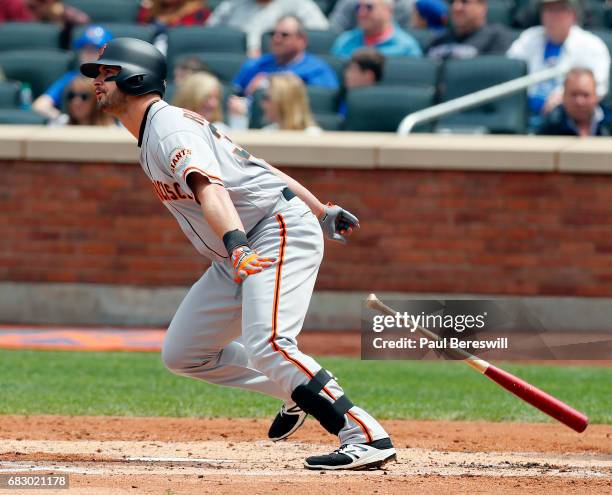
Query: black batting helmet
{"x": 142, "y": 66}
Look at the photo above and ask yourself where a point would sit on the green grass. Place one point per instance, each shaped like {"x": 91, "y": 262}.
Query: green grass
{"x": 136, "y": 384}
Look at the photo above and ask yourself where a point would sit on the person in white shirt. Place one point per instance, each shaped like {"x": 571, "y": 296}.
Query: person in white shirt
{"x": 256, "y": 17}
{"x": 559, "y": 40}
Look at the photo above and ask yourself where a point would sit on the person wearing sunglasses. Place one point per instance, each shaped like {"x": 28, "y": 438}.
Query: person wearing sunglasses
{"x": 86, "y": 47}
{"x": 287, "y": 54}
{"x": 344, "y": 14}
{"x": 81, "y": 106}
{"x": 256, "y": 17}
{"x": 377, "y": 29}
{"x": 469, "y": 34}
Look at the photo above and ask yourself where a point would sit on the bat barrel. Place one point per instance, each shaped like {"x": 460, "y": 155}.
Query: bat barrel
{"x": 538, "y": 399}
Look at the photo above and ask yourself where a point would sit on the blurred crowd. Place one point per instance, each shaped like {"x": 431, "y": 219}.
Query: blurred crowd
{"x": 275, "y": 81}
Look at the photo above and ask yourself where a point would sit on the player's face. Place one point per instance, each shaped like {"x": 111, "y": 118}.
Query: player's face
{"x": 110, "y": 99}
{"x": 580, "y": 97}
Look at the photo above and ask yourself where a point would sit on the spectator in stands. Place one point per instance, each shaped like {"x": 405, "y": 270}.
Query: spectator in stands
{"x": 364, "y": 69}
{"x": 187, "y": 66}
{"x": 559, "y": 40}
{"x": 288, "y": 54}
{"x": 87, "y": 47}
{"x": 169, "y": 13}
{"x": 81, "y": 105}
{"x": 202, "y": 93}
{"x": 53, "y": 11}
{"x": 580, "y": 113}
{"x": 344, "y": 15}
{"x": 164, "y": 14}
{"x": 286, "y": 106}
{"x": 257, "y": 17}
{"x": 429, "y": 14}
{"x": 469, "y": 35}
{"x": 377, "y": 29}
{"x": 41, "y": 11}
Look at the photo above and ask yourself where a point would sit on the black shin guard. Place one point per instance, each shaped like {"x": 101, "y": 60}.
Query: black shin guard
{"x": 328, "y": 412}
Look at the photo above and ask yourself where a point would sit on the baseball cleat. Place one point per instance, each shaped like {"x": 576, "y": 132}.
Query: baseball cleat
{"x": 286, "y": 422}
{"x": 355, "y": 456}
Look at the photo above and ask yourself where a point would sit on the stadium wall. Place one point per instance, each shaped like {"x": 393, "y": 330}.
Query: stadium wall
{"x": 481, "y": 215}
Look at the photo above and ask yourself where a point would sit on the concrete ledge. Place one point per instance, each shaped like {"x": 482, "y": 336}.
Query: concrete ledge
{"x": 587, "y": 155}
{"x": 82, "y": 144}
{"x": 504, "y": 153}
{"x": 13, "y": 140}
{"x": 332, "y": 149}
{"x": 91, "y": 304}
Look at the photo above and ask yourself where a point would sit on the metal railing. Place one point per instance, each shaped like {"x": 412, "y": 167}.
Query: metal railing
{"x": 478, "y": 98}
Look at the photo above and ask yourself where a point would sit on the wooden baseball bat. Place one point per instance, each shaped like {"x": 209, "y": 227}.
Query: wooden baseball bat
{"x": 537, "y": 398}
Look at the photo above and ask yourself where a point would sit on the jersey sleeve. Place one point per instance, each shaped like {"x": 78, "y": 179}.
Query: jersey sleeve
{"x": 183, "y": 153}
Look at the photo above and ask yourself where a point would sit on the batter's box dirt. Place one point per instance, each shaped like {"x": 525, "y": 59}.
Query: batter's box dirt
{"x": 111, "y": 464}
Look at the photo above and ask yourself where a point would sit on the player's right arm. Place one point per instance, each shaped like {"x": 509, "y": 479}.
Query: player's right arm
{"x": 221, "y": 215}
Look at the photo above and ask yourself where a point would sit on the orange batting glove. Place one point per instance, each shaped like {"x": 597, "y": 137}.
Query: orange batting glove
{"x": 247, "y": 262}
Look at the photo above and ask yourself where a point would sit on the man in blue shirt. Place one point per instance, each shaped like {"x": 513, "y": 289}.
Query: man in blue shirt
{"x": 288, "y": 54}
{"x": 87, "y": 47}
{"x": 376, "y": 29}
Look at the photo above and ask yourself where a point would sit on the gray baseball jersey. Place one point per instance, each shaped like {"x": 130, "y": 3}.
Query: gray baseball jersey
{"x": 174, "y": 143}
{"x": 240, "y": 335}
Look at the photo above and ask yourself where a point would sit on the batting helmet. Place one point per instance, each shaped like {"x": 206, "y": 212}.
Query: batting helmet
{"x": 142, "y": 66}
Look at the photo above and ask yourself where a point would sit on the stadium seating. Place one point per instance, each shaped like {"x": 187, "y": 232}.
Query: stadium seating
{"x": 382, "y": 108}
{"x": 319, "y": 42}
{"x": 326, "y": 6}
{"x": 423, "y": 36}
{"x": 120, "y": 30}
{"x": 499, "y": 11}
{"x": 39, "y": 68}
{"x": 461, "y": 77}
{"x": 256, "y": 117}
{"x": 195, "y": 39}
{"x": 223, "y": 65}
{"x": 337, "y": 64}
{"x": 28, "y": 35}
{"x": 9, "y": 94}
{"x": 21, "y": 117}
{"x": 322, "y": 100}
{"x": 411, "y": 72}
{"x": 108, "y": 10}
{"x": 329, "y": 121}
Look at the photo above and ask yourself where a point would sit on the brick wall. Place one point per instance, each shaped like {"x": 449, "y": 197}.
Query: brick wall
{"x": 422, "y": 231}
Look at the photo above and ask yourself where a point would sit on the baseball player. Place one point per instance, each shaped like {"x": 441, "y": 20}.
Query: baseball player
{"x": 263, "y": 232}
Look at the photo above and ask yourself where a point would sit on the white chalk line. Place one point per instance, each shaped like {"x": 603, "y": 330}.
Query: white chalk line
{"x": 80, "y": 468}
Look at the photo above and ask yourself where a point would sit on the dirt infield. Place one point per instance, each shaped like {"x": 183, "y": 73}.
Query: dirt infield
{"x": 180, "y": 456}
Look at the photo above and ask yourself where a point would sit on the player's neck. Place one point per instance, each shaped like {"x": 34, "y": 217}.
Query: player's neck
{"x": 135, "y": 112}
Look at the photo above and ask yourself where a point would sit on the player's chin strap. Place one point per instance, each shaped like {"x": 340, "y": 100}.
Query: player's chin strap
{"x": 328, "y": 412}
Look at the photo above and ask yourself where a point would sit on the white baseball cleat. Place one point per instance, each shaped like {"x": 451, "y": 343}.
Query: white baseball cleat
{"x": 286, "y": 422}
{"x": 355, "y": 456}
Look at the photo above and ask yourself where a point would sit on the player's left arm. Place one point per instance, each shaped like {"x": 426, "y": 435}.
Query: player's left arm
{"x": 336, "y": 222}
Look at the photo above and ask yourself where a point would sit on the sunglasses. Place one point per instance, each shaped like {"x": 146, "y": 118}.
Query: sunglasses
{"x": 282, "y": 34}
{"x": 368, "y": 7}
{"x": 72, "y": 95}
